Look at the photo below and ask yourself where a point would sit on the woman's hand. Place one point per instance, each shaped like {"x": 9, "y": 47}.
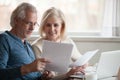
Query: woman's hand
{"x": 47, "y": 75}
{"x": 85, "y": 65}
{"x": 75, "y": 70}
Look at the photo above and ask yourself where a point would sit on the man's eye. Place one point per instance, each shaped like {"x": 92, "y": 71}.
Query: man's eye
{"x": 35, "y": 24}
{"x": 29, "y": 23}
{"x": 48, "y": 25}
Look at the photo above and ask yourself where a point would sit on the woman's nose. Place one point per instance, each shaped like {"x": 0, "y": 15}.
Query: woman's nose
{"x": 52, "y": 28}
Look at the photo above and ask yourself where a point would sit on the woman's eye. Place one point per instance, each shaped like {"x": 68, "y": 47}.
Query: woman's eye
{"x": 56, "y": 25}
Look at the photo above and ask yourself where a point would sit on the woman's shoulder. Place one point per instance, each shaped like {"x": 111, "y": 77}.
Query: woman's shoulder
{"x": 67, "y": 40}
{"x": 37, "y": 42}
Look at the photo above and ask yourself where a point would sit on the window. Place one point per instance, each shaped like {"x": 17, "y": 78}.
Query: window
{"x": 82, "y": 16}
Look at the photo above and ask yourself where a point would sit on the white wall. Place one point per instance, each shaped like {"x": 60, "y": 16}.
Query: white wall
{"x": 103, "y": 44}
{"x": 85, "y": 44}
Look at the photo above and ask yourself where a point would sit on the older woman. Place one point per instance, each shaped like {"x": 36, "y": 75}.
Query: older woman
{"x": 52, "y": 28}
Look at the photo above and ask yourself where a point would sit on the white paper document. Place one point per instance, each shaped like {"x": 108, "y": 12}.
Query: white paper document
{"x": 84, "y": 59}
{"x": 59, "y": 55}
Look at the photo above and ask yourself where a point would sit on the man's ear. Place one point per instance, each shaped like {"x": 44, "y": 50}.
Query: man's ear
{"x": 16, "y": 20}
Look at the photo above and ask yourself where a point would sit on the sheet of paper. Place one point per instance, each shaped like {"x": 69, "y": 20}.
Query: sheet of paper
{"x": 59, "y": 55}
{"x": 84, "y": 59}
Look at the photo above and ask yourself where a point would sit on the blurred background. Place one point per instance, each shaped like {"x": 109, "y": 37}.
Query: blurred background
{"x": 92, "y": 24}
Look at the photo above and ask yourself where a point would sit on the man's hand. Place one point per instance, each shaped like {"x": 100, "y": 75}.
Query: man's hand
{"x": 37, "y": 65}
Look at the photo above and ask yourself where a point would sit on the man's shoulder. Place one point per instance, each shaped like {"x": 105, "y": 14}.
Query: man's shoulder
{"x": 6, "y": 37}
{"x": 3, "y": 35}
{"x": 3, "y": 38}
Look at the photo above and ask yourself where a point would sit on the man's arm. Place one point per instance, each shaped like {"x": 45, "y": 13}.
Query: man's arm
{"x": 6, "y": 74}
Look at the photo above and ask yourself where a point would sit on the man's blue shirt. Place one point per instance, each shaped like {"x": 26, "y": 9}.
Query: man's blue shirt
{"x": 13, "y": 54}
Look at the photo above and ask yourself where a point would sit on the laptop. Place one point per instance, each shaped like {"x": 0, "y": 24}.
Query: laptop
{"x": 108, "y": 65}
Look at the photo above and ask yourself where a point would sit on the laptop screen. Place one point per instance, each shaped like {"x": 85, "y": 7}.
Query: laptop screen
{"x": 109, "y": 64}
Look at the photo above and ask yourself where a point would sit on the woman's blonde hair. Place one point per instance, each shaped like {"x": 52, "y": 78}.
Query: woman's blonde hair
{"x": 50, "y": 13}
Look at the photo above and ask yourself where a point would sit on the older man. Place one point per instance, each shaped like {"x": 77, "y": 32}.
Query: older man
{"x": 17, "y": 60}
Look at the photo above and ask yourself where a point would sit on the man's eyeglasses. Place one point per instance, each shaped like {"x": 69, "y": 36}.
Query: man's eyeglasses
{"x": 28, "y": 23}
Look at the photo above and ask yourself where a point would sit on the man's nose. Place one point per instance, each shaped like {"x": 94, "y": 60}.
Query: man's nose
{"x": 33, "y": 25}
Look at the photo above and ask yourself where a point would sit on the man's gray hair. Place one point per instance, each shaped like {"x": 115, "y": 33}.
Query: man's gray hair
{"x": 20, "y": 11}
